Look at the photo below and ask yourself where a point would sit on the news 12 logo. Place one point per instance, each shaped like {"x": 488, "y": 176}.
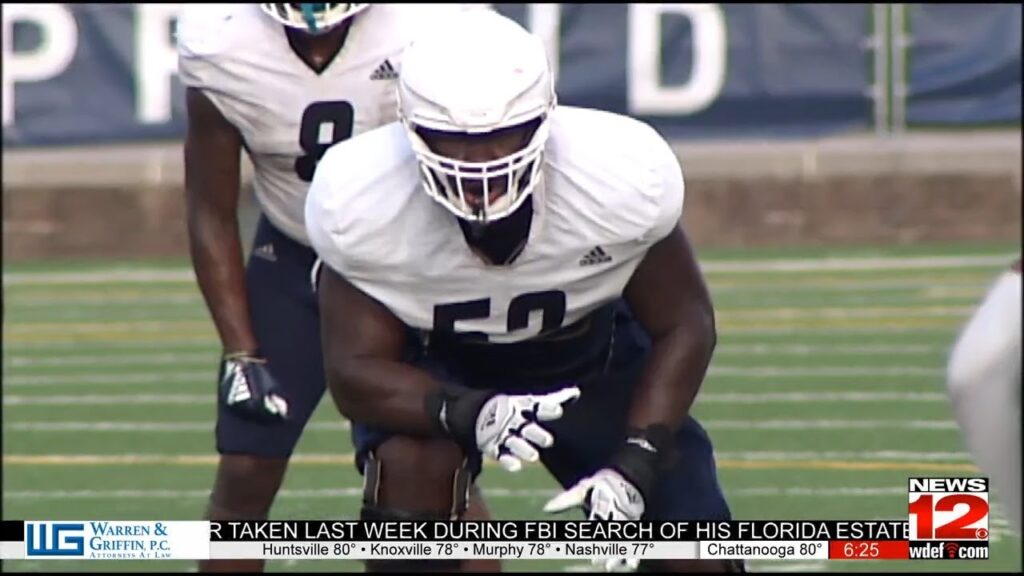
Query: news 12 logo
{"x": 948, "y": 508}
{"x": 54, "y": 539}
{"x": 948, "y": 518}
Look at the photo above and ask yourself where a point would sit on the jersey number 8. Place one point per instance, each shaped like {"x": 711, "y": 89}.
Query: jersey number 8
{"x": 336, "y": 116}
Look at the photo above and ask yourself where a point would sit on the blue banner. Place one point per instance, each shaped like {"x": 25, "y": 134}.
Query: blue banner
{"x": 106, "y": 73}
{"x": 964, "y": 64}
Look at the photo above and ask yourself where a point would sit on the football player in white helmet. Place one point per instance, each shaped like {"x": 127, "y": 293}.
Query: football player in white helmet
{"x": 283, "y": 82}
{"x": 983, "y": 380}
{"x": 484, "y": 259}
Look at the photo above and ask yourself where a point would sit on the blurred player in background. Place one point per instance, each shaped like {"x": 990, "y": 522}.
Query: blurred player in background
{"x": 284, "y": 82}
{"x": 984, "y": 384}
{"x": 475, "y": 258}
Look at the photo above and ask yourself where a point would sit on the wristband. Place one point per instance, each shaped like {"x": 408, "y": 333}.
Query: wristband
{"x": 643, "y": 455}
{"x": 454, "y": 409}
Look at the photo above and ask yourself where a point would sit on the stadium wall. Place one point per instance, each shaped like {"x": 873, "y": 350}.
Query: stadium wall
{"x": 127, "y": 202}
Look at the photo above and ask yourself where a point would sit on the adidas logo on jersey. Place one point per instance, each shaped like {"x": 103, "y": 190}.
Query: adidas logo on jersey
{"x": 595, "y": 256}
{"x": 384, "y": 72}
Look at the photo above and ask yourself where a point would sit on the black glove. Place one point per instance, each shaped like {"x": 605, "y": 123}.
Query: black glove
{"x": 249, "y": 390}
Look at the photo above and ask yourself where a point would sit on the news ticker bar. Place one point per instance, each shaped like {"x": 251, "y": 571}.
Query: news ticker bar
{"x": 200, "y": 540}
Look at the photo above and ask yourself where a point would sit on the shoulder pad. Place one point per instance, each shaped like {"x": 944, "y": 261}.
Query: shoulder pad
{"x": 204, "y": 30}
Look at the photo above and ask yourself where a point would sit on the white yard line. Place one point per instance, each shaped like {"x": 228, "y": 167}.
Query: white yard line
{"x": 895, "y": 455}
{"x": 887, "y": 328}
{"x": 79, "y": 302}
{"x": 706, "y": 397}
{"x": 12, "y": 360}
{"x": 99, "y": 277}
{"x": 170, "y": 358}
{"x": 810, "y": 312}
{"x": 829, "y": 349}
{"x": 107, "y": 399}
{"x": 709, "y": 266}
{"x": 747, "y": 425}
{"x": 710, "y": 424}
{"x": 181, "y": 359}
{"x": 797, "y": 397}
{"x": 869, "y": 264}
{"x": 109, "y": 347}
{"x": 489, "y": 492}
{"x": 146, "y": 427}
{"x": 196, "y": 376}
{"x": 128, "y": 378}
{"x": 826, "y": 372}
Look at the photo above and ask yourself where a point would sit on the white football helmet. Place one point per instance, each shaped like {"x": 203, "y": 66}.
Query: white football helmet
{"x": 479, "y": 73}
{"x": 312, "y": 18}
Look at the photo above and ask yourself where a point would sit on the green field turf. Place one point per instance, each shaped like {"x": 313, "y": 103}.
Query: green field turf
{"x": 825, "y": 393}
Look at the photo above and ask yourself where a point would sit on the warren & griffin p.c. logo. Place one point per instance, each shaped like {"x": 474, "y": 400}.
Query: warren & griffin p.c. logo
{"x": 54, "y": 539}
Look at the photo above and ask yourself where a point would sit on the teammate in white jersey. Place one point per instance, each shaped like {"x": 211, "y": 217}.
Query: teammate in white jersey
{"x": 284, "y": 82}
{"x": 476, "y": 256}
{"x": 984, "y": 378}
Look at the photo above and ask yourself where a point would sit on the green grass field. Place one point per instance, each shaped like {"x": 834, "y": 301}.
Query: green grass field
{"x": 825, "y": 393}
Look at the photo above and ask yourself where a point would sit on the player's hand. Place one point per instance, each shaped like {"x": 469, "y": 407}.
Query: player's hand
{"x": 248, "y": 389}
{"x": 606, "y": 495}
{"x": 509, "y": 428}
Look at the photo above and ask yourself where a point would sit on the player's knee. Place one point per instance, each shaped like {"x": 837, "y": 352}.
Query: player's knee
{"x": 418, "y": 474}
{"x": 245, "y": 486}
{"x": 415, "y": 479}
{"x": 692, "y": 566}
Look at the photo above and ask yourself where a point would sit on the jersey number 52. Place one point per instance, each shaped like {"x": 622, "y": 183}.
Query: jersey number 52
{"x": 550, "y": 303}
{"x": 323, "y": 125}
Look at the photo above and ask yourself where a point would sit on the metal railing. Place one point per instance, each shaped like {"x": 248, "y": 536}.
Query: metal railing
{"x": 889, "y": 42}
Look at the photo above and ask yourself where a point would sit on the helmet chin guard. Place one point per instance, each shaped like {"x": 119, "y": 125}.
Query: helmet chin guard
{"x": 312, "y": 18}
{"x": 516, "y": 175}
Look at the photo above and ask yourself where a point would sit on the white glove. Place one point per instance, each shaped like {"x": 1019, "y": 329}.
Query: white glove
{"x": 608, "y": 496}
{"x": 508, "y": 427}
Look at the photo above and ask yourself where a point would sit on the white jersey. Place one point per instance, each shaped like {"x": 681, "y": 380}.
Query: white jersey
{"x": 611, "y": 188}
{"x": 984, "y": 384}
{"x": 287, "y": 114}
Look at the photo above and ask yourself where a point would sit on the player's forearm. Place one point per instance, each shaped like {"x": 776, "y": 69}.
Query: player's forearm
{"x": 383, "y": 393}
{"x": 662, "y": 399}
{"x": 216, "y": 249}
{"x": 674, "y": 372}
